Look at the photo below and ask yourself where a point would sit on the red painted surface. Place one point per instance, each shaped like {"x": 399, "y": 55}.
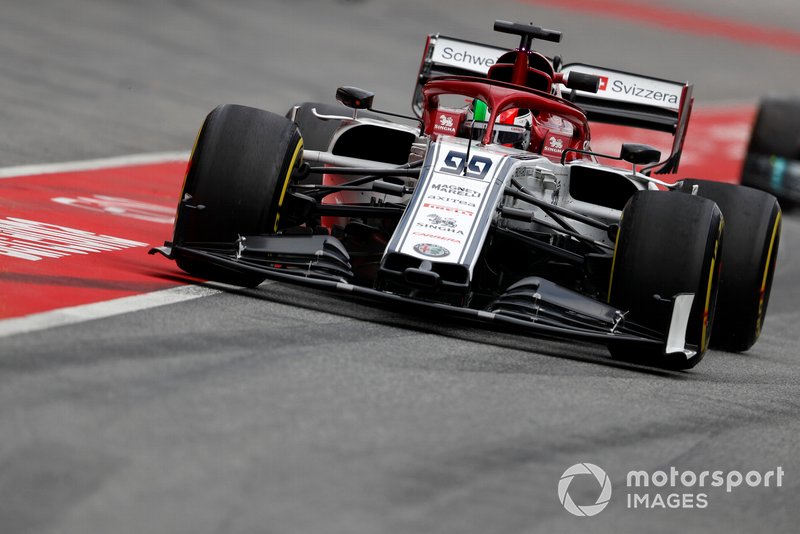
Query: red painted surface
{"x": 682, "y": 21}
{"x": 136, "y": 203}
{"x": 714, "y": 149}
{"x": 33, "y": 286}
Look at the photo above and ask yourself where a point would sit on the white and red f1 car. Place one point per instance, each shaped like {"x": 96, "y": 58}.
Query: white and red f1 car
{"x": 491, "y": 207}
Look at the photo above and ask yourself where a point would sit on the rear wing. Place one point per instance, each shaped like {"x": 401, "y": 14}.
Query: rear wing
{"x": 625, "y": 99}
{"x": 640, "y": 101}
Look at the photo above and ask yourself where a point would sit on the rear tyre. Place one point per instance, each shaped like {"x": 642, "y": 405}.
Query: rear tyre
{"x": 235, "y": 185}
{"x": 752, "y": 236}
{"x": 667, "y": 244}
{"x": 775, "y": 127}
{"x": 774, "y": 149}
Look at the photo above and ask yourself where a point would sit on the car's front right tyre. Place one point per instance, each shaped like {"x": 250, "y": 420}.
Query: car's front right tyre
{"x": 668, "y": 244}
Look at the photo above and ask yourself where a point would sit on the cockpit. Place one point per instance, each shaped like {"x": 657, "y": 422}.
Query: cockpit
{"x": 522, "y": 127}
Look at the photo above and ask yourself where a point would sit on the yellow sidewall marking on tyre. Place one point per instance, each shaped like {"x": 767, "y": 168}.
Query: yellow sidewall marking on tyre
{"x": 191, "y": 157}
{"x": 704, "y": 334}
{"x": 186, "y": 174}
{"x": 705, "y": 310}
{"x": 614, "y": 261}
{"x": 292, "y": 165}
{"x": 759, "y": 320}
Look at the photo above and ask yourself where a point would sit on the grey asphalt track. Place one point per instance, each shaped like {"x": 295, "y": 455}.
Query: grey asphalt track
{"x": 285, "y": 410}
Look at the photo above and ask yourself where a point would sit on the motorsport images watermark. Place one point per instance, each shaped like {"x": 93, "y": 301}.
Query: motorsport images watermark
{"x": 586, "y": 510}
{"x": 684, "y": 489}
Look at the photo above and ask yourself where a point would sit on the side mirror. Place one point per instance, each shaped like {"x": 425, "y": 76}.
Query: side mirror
{"x": 582, "y": 82}
{"x": 639, "y": 154}
{"x": 355, "y": 98}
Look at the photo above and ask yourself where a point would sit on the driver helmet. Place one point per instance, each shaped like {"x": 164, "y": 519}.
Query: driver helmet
{"x": 512, "y": 127}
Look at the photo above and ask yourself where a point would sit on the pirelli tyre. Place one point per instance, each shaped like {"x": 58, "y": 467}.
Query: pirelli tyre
{"x": 667, "y": 244}
{"x": 772, "y": 162}
{"x": 752, "y": 236}
{"x": 235, "y": 184}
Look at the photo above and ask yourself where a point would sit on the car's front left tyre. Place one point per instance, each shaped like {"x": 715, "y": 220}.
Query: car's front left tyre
{"x": 235, "y": 185}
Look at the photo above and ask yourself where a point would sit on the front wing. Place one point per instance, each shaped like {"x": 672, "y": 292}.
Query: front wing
{"x": 553, "y": 321}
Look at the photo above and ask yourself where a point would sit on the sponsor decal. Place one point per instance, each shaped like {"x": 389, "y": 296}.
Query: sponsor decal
{"x": 625, "y": 87}
{"x": 469, "y": 56}
{"x": 441, "y": 228}
{"x": 450, "y": 200}
{"x": 448, "y": 209}
{"x": 435, "y": 236}
{"x": 429, "y": 249}
{"x": 446, "y": 122}
{"x": 464, "y": 56}
{"x": 555, "y": 144}
{"x": 441, "y": 221}
{"x": 457, "y": 190}
{"x": 645, "y": 93}
{"x": 455, "y": 161}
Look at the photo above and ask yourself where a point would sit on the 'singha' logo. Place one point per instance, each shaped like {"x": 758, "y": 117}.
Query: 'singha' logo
{"x": 584, "y": 469}
{"x": 442, "y": 221}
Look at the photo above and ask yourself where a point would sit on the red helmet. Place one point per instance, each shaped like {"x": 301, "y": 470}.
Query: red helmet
{"x": 513, "y": 128}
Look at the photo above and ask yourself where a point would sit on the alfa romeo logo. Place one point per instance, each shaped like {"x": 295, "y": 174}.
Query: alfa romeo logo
{"x": 584, "y": 469}
{"x": 435, "y": 251}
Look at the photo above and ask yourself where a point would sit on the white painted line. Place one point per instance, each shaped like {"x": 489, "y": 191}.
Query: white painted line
{"x": 101, "y": 310}
{"x": 94, "y": 164}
